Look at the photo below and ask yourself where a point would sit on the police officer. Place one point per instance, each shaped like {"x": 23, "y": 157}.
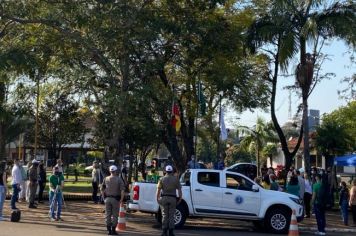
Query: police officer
{"x": 32, "y": 176}
{"x": 167, "y": 199}
{"x": 113, "y": 190}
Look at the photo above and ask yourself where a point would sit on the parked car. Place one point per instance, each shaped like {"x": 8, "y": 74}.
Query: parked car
{"x": 247, "y": 169}
{"x": 222, "y": 194}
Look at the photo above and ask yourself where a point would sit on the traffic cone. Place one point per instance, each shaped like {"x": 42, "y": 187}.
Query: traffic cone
{"x": 293, "y": 227}
{"x": 121, "y": 225}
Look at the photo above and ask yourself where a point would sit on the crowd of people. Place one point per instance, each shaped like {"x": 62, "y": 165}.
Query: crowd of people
{"x": 317, "y": 192}
{"x": 29, "y": 181}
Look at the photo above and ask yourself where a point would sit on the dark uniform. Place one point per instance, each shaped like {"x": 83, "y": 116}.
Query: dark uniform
{"x": 167, "y": 187}
{"x": 113, "y": 188}
{"x": 33, "y": 175}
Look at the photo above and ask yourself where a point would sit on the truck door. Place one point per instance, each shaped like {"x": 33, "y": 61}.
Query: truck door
{"x": 238, "y": 196}
{"x": 207, "y": 192}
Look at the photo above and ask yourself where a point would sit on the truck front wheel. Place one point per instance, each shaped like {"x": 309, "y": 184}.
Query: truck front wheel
{"x": 277, "y": 220}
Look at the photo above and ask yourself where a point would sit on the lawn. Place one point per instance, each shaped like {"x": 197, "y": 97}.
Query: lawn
{"x": 77, "y": 187}
{"x": 71, "y": 187}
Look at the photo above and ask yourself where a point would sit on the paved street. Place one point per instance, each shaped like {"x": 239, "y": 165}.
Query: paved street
{"x": 82, "y": 218}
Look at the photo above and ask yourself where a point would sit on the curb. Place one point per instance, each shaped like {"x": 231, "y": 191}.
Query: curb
{"x": 335, "y": 230}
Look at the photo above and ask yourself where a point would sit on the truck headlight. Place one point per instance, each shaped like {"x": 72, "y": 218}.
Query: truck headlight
{"x": 297, "y": 200}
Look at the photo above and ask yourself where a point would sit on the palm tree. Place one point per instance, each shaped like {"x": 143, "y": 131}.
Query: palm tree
{"x": 257, "y": 137}
{"x": 289, "y": 25}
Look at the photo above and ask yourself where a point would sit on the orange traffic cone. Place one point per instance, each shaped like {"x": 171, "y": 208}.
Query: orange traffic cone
{"x": 293, "y": 227}
{"x": 121, "y": 226}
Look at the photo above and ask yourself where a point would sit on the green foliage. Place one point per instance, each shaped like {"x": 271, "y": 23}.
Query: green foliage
{"x": 122, "y": 60}
{"x": 337, "y": 133}
{"x": 333, "y": 139}
{"x": 235, "y": 154}
{"x": 206, "y": 150}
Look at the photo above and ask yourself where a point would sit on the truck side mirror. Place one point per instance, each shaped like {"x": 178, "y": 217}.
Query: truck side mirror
{"x": 255, "y": 188}
{"x": 187, "y": 183}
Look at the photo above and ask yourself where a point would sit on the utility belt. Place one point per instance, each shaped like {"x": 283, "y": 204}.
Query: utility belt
{"x": 115, "y": 197}
{"x": 169, "y": 195}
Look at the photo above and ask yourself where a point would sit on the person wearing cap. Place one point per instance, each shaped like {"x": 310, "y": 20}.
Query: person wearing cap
{"x": 56, "y": 184}
{"x": 113, "y": 190}
{"x": 32, "y": 176}
{"x": 167, "y": 199}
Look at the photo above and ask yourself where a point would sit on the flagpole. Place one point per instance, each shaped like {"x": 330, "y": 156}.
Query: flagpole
{"x": 218, "y": 143}
{"x": 196, "y": 120}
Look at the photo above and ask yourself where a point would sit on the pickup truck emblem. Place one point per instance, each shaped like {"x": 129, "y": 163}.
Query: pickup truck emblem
{"x": 239, "y": 199}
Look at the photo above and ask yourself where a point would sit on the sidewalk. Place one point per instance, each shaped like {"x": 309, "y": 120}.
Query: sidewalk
{"x": 333, "y": 223}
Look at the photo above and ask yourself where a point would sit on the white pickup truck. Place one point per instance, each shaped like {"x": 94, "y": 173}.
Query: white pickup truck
{"x": 223, "y": 194}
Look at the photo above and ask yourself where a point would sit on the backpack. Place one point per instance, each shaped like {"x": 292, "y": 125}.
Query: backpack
{"x": 15, "y": 215}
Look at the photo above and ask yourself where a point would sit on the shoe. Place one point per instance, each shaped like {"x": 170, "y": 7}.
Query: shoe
{"x": 108, "y": 227}
{"x": 40, "y": 201}
{"x": 59, "y": 219}
{"x": 113, "y": 230}
{"x": 322, "y": 233}
{"x": 53, "y": 219}
{"x": 32, "y": 206}
{"x": 14, "y": 209}
{"x": 306, "y": 216}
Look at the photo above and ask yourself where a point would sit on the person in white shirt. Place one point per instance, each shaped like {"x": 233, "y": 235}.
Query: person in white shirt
{"x": 60, "y": 166}
{"x": 23, "y": 184}
{"x": 16, "y": 181}
{"x": 307, "y": 195}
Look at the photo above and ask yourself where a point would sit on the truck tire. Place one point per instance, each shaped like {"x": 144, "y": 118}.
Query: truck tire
{"x": 277, "y": 220}
{"x": 180, "y": 216}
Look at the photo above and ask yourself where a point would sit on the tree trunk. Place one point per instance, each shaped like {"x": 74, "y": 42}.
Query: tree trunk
{"x": 287, "y": 154}
{"x": 304, "y": 77}
{"x": 306, "y": 151}
{"x": 171, "y": 143}
{"x": 2, "y": 121}
{"x": 258, "y": 158}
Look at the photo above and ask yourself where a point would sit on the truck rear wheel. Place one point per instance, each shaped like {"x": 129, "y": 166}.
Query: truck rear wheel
{"x": 277, "y": 220}
{"x": 180, "y": 216}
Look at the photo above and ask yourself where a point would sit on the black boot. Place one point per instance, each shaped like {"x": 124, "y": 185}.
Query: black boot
{"x": 164, "y": 232}
{"x": 108, "y": 227}
{"x": 171, "y": 232}
{"x": 113, "y": 230}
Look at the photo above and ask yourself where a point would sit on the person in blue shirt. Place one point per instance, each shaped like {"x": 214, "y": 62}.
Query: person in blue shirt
{"x": 193, "y": 164}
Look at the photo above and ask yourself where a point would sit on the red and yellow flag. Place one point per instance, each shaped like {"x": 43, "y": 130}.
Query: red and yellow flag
{"x": 176, "y": 124}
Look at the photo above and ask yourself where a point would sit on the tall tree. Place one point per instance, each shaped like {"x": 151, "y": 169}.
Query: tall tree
{"x": 289, "y": 25}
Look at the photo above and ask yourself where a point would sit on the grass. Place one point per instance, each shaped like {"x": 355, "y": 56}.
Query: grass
{"x": 77, "y": 187}
{"x": 70, "y": 187}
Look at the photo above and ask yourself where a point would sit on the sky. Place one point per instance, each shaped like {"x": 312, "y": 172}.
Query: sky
{"x": 324, "y": 97}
